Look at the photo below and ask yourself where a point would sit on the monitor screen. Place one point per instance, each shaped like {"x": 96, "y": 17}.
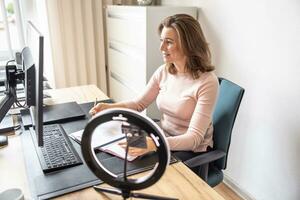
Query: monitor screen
{"x": 33, "y": 59}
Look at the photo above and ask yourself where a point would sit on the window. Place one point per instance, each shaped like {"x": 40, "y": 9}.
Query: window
{"x": 11, "y": 29}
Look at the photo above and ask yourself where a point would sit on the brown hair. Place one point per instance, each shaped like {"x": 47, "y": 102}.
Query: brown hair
{"x": 192, "y": 42}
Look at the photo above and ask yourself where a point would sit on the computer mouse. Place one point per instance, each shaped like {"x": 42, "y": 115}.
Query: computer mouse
{"x": 3, "y": 141}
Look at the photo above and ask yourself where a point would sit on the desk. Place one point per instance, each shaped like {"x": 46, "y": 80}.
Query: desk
{"x": 178, "y": 181}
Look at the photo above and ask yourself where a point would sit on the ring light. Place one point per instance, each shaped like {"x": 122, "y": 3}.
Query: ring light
{"x": 146, "y": 124}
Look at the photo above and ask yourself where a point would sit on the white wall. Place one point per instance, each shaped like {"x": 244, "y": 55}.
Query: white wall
{"x": 256, "y": 43}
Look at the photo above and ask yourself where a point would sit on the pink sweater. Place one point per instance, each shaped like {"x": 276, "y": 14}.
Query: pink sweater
{"x": 186, "y": 106}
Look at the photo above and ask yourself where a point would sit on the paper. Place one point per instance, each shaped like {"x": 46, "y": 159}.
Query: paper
{"x": 106, "y": 138}
{"x": 117, "y": 150}
{"x": 103, "y": 134}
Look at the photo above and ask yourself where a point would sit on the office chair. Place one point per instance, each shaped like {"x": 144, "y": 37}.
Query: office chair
{"x": 210, "y": 164}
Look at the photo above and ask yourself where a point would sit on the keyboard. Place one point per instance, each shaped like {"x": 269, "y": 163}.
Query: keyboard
{"x": 58, "y": 152}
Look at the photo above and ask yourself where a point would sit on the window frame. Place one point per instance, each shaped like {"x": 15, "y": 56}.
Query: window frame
{"x": 9, "y": 54}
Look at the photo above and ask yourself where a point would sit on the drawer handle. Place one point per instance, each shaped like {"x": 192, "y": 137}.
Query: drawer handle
{"x": 126, "y": 50}
{"x": 118, "y": 78}
{"x": 124, "y": 17}
{"x": 113, "y": 47}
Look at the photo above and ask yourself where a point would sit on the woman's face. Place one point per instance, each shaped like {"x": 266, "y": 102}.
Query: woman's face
{"x": 170, "y": 47}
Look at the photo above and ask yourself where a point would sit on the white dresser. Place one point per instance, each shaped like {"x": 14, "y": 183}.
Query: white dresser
{"x": 133, "y": 48}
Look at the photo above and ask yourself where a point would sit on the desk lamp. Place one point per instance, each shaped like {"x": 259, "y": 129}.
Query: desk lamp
{"x": 135, "y": 129}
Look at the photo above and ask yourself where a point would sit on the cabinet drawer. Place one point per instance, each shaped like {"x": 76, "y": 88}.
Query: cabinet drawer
{"x": 127, "y": 31}
{"x": 120, "y": 92}
{"x": 132, "y": 68}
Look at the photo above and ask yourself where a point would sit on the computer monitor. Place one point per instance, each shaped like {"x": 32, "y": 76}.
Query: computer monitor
{"x": 33, "y": 60}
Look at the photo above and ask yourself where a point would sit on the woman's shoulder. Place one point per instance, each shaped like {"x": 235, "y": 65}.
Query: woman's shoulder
{"x": 159, "y": 74}
{"x": 208, "y": 81}
{"x": 207, "y": 84}
{"x": 209, "y": 77}
{"x": 161, "y": 71}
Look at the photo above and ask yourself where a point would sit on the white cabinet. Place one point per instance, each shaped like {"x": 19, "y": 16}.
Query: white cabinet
{"x": 133, "y": 48}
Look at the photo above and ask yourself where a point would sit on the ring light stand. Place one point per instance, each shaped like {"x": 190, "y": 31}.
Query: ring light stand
{"x": 125, "y": 185}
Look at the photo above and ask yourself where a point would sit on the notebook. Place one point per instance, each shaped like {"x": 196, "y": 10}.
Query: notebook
{"x": 106, "y": 137}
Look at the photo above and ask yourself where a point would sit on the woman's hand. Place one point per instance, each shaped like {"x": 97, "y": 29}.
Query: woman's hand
{"x": 134, "y": 151}
{"x": 102, "y": 106}
{"x": 99, "y": 107}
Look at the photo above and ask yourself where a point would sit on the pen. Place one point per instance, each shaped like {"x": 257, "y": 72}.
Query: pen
{"x": 95, "y": 103}
{"x": 92, "y": 112}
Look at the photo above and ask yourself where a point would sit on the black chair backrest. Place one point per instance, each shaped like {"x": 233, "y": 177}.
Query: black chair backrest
{"x": 227, "y": 106}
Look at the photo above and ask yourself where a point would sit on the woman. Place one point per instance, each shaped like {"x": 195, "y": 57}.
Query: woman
{"x": 185, "y": 88}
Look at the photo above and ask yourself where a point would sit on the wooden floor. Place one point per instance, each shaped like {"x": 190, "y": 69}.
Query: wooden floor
{"x": 226, "y": 192}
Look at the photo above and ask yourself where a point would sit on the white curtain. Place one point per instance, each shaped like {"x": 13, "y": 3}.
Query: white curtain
{"x": 77, "y": 42}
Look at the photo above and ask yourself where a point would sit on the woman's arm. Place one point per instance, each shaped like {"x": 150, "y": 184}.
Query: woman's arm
{"x": 141, "y": 102}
